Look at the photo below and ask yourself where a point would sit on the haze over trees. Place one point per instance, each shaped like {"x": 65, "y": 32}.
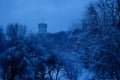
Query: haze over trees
{"x": 89, "y": 51}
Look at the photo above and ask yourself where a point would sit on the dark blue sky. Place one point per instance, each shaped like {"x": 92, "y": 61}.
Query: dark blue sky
{"x": 58, "y": 14}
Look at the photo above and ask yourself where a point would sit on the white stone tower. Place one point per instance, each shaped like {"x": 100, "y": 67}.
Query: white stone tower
{"x": 42, "y": 28}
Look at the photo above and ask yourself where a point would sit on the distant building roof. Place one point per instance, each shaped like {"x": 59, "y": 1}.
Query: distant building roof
{"x": 42, "y": 25}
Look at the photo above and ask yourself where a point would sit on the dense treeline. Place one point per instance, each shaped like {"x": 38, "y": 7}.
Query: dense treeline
{"x": 90, "y": 51}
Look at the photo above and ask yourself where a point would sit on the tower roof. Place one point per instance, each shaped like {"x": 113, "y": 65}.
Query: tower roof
{"x": 42, "y": 25}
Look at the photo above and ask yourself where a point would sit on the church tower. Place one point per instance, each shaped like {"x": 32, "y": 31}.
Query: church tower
{"x": 42, "y": 28}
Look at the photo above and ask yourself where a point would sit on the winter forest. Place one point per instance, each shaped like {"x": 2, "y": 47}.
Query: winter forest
{"x": 88, "y": 51}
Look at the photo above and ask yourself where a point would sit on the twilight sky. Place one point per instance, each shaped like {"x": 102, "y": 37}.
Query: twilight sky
{"x": 58, "y": 14}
